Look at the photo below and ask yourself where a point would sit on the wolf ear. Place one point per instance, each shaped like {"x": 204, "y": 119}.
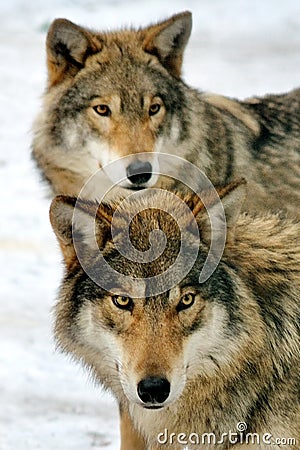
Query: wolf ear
{"x": 232, "y": 198}
{"x": 68, "y": 47}
{"x": 167, "y": 41}
{"x": 90, "y": 226}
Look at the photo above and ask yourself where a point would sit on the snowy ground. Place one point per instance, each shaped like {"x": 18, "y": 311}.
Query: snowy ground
{"x": 238, "y": 48}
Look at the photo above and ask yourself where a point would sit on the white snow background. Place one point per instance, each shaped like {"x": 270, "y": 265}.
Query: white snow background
{"x": 238, "y": 48}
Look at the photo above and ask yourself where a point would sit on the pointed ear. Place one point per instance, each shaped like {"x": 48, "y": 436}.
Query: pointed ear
{"x": 68, "y": 47}
{"x": 232, "y": 198}
{"x": 167, "y": 41}
{"x": 89, "y": 224}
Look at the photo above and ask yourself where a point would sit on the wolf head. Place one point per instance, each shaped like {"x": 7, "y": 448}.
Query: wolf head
{"x": 148, "y": 348}
{"x": 112, "y": 95}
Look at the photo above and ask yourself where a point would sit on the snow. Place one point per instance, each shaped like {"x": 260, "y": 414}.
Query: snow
{"x": 238, "y": 48}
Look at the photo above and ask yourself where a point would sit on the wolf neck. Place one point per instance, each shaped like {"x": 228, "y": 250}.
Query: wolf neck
{"x": 223, "y": 133}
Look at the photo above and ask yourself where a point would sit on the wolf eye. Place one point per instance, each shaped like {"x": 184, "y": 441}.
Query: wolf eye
{"x": 122, "y": 302}
{"x": 154, "y": 108}
{"x": 186, "y": 301}
{"x": 102, "y": 110}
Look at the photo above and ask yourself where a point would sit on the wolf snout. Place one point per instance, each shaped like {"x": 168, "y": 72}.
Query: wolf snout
{"x": 139, "y": 172}
{"x": 153, "y": 390}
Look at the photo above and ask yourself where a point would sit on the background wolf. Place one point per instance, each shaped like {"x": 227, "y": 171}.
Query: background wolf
{"x": 199, "y": 358}
{"x": 120, "y": 93}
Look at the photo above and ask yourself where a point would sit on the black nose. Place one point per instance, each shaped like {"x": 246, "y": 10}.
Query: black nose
{"x": 153, "y": 390}
{"x": 139, "y": 172}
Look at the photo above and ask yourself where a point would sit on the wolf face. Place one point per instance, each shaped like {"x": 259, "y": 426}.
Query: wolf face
{"x": 112, "y": 95}
{"x": 111, "y": 121}
{"x": 194, "y": 323}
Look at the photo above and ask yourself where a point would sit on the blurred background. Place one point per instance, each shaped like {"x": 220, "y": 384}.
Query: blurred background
{"x": 238, "y": 48}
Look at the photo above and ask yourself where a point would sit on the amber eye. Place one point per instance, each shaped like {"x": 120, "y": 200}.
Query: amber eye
{"x": 154, "y": 108}
{"x": 186, "y": 301}
{"x": 122, "y": 302}
{"x": 102, "y": 110}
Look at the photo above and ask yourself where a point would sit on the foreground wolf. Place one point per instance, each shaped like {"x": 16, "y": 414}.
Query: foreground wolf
{"x": 198, "y": 358}
{"x": 120, "y": 93}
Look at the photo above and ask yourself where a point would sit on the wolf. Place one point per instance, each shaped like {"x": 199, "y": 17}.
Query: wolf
{"x": 199, "y": 359}
{"x": 119, "y": 96}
